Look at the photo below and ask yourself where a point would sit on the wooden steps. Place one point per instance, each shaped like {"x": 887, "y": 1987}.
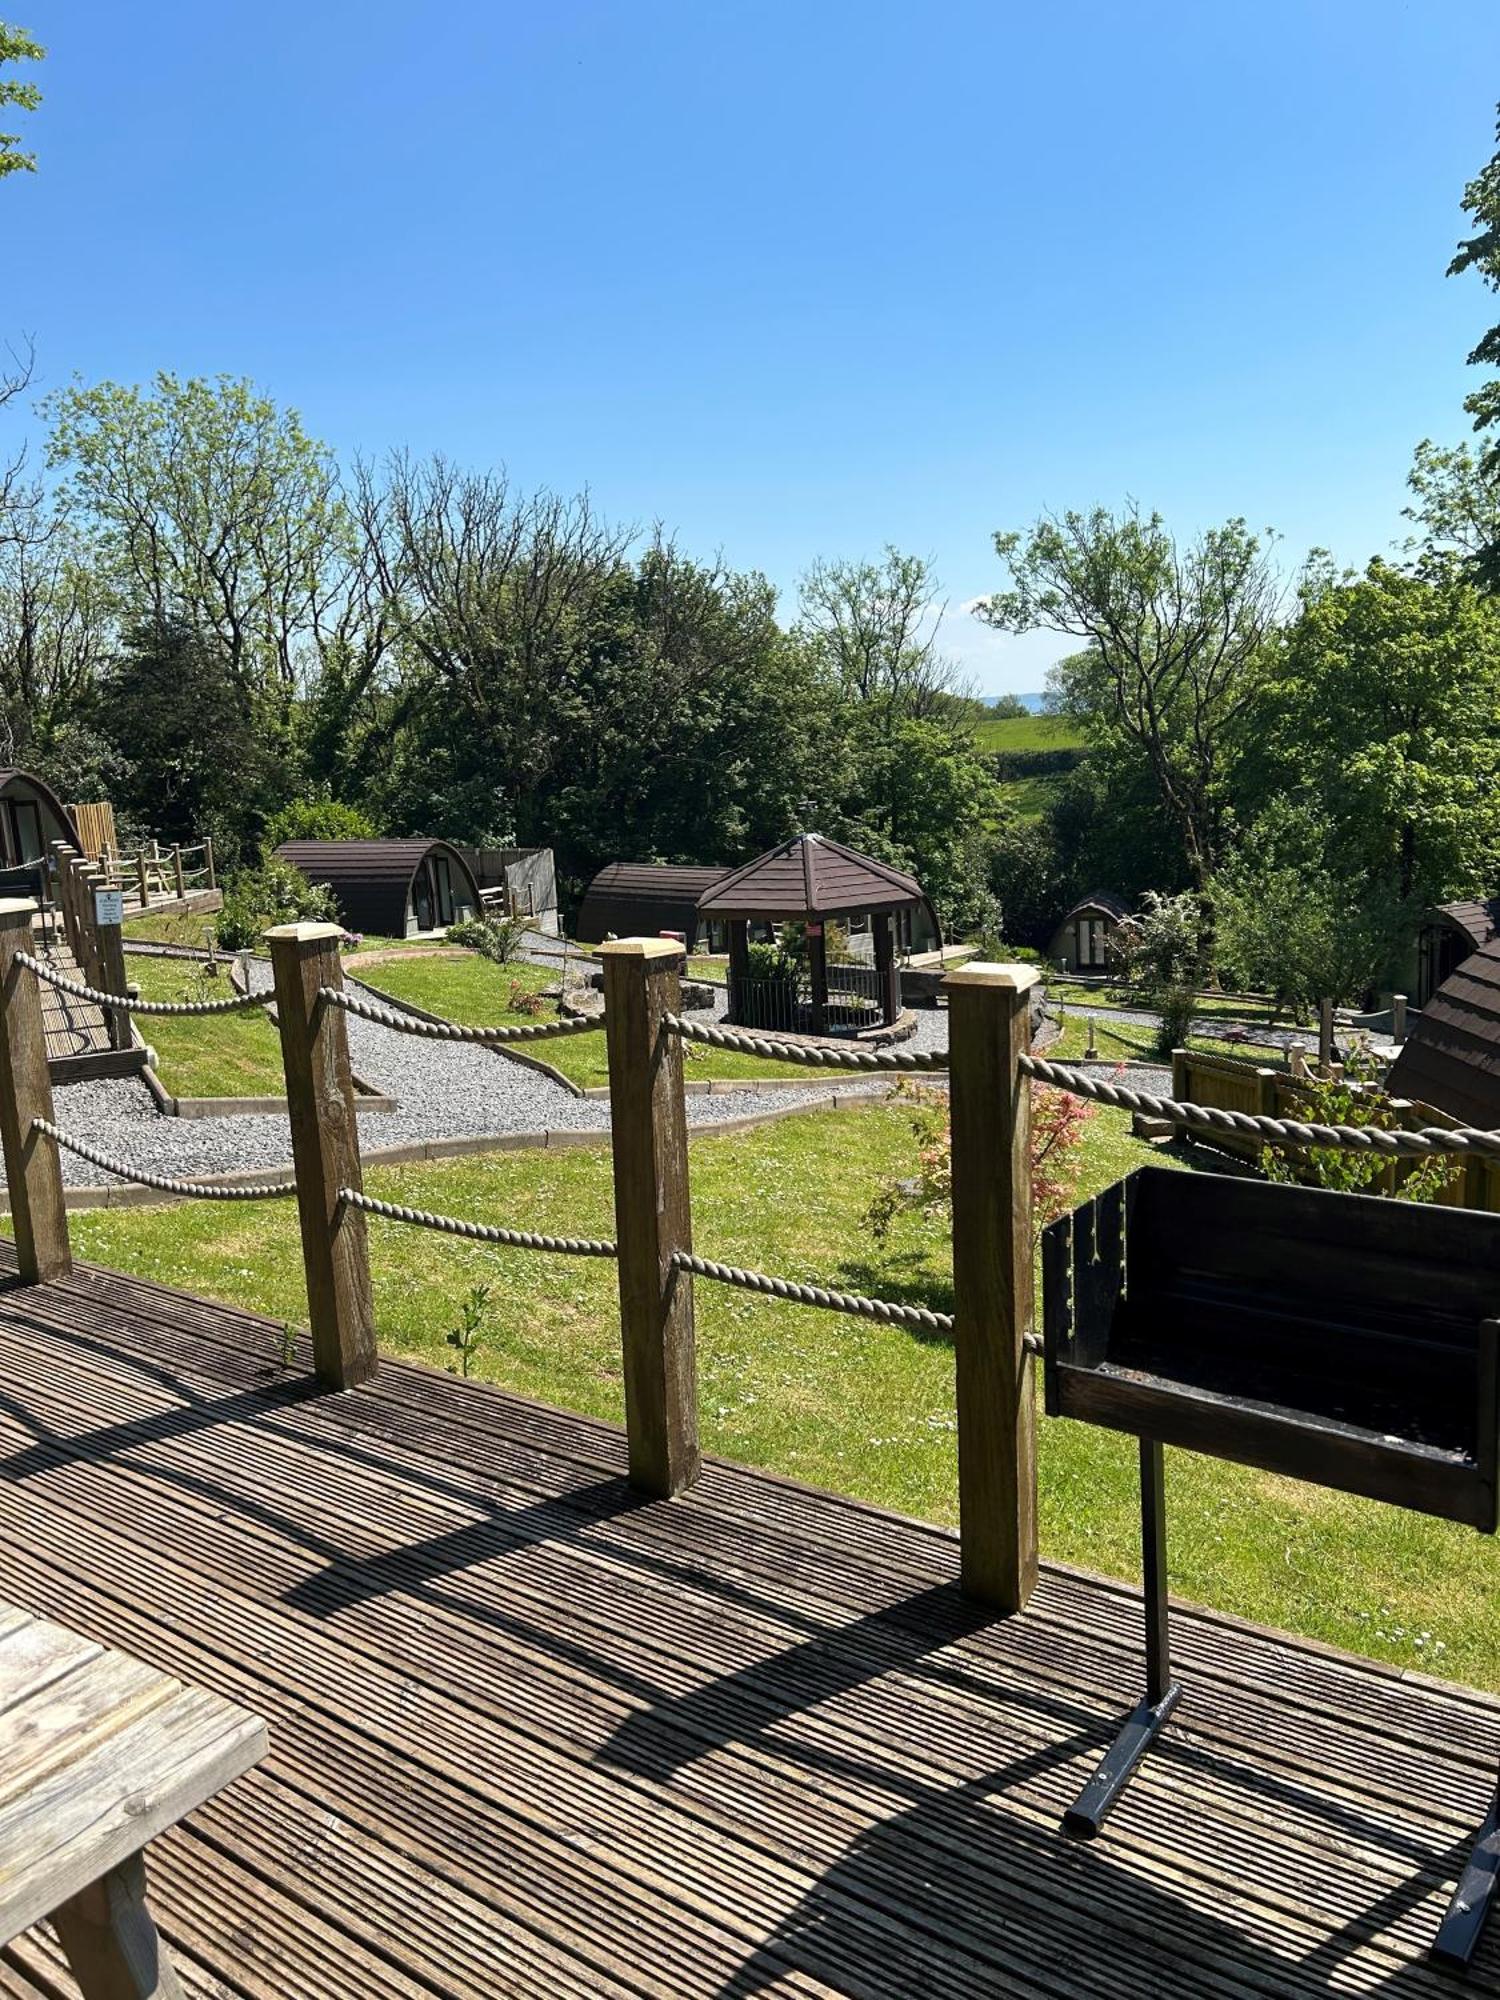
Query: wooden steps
{"x": 530, "y": 1736}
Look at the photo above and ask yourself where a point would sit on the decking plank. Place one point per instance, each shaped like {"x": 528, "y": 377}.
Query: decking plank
{"x": 739, "y": 1744}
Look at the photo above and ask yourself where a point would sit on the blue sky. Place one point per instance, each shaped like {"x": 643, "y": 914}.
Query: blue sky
{"x": 794, "y": 279}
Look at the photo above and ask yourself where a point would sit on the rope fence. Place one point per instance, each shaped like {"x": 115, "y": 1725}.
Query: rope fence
{"x": 478, "y": 1232}
{"x": 1211, "y": 1119}
{"x": 884, "y": 1311}
{"x": 121, "y": 1003}
{"x": 809, "y": 1054}
{"x": 167, "y": 1183}
{"x": 449, "y": 1031}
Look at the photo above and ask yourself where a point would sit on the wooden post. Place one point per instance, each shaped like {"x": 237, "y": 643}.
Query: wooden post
{"x": 208, "y": 862}
{"x": 111, "y": 1941}
{"x": 989, "y": 1029}
{"x": 1398, "y": 1017}
{"x": 112, "y": 978}
{"x": 33, "y": 1172}
{"x": 817, "y": 966}
{"x": 1325, "y": 1037}
{"x": 889, "y": 973}
{"x": 739, "y": 967}
{"x": 142, "y": 885}
{"x": 325, "y": 1152}
{"x": 177, "y": 870}
{"x": 653, "y": 1211}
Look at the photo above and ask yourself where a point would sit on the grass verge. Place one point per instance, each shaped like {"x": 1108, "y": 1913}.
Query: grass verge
{"x": 211, "y": 1055}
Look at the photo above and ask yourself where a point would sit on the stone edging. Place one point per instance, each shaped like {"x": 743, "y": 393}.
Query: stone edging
{"x": 80, "y": 1199}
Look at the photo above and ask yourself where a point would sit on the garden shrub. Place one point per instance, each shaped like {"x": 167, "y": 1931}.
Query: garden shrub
{"x": 497, "y": 938}
{"x": 273, "y": 893}
{"x": 318, "y": 819}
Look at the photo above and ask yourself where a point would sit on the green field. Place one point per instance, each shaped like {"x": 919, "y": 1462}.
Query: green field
{"x": 843, "y": 1403}
{"x": 1028, "y": 732}
{"x": 210, "y": 1055}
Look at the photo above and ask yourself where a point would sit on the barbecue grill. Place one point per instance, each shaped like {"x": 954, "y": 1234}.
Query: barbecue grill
{"x": 1340, "y": 1339}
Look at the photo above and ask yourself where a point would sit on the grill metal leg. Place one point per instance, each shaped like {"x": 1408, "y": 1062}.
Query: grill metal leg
{"x": 1095, "y": 1802}
{"x": 1460, "y": 1929}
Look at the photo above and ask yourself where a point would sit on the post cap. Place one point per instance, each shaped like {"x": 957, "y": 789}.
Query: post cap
{"x": 13, "y": 908}
{"x": 303, "y": 933}
{"x": 642, "y": 947}
{"x": 1004, "y": 978}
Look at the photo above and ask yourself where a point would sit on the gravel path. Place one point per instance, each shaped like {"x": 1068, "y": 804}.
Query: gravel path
{"x": 445, "y": 1091}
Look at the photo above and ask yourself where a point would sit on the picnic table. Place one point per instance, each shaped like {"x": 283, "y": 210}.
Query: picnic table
{"x": 99, "y": 1754}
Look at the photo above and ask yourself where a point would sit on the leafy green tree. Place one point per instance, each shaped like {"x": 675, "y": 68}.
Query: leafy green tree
{"x": 318, "y": 818}
{"x": 1456, "y": 505}
{"x": 929, "y": 804}
{"x": 1289, "y": 924}
{"x": 1481, "y": 252}
{"x": 1175, "y": 640}
{"x": 191, "y": 762}
{"x": 872, "y": 625}
{"x": 16, "y": 46}
{"x": 1384, "y": 719}
{"x": 210, "y": 508}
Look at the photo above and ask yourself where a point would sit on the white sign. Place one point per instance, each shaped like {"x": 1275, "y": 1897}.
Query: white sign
{"x": 109, "y": 906}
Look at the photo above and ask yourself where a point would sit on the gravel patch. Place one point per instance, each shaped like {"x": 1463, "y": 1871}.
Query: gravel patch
{"x": 444, "y": 1090}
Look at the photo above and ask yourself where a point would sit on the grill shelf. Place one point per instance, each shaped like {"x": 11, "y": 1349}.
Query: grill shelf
{"x": 1339, "y": 1339}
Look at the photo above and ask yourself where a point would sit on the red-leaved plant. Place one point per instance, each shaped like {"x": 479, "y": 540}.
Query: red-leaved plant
{"x": 1058, "y": 1123}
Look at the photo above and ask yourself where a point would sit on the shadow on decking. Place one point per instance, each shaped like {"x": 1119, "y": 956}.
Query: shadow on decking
{"x": 951, "y": 1880}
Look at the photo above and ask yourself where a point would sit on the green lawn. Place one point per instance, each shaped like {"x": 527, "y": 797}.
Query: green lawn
{"x": 1134, "y": 1041}
{"x": 861, "y": 1408}
{"x": 1028, "y": 732}
{"x": 478, "y": 993}
{"x": 162, "y": 927}
{"x": 212, "y": 1055}
{"x": 1213, "y": 1006}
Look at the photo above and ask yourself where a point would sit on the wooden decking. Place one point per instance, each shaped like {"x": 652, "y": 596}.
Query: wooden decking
{"x": 529, "y": 1737}
{"x": 77, "y": 1031}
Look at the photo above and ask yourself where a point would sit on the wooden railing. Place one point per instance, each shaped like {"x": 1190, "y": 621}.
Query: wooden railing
{"x": 157, "y": 874}
{"x": 989, "y": 1032}
{"x": 1236, "y": 1085}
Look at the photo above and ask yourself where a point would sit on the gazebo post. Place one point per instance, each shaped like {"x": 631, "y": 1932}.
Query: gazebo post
{"x": 884, "y": 923}
{"x": 817, "y": 965}
{"x": 739, "y": 965}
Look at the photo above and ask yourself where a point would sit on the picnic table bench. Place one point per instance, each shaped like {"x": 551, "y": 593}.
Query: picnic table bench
{"x": 99, "y": 1754}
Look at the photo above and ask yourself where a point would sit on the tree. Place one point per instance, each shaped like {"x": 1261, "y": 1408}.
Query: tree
{"x": 1383, "y": 718}
{"x": 873, "y": 625}
{"x": 1160, "y": 953}
{"x": 1176, "y": 642}
{"x": 16, "y": 46}
{"x": 192, "y": 764}
{"x": 1287, "y": 922}
{"x": 212, "y": 509}
{"x": 1457, "y": 507}
{"x": 1481, "y": 252}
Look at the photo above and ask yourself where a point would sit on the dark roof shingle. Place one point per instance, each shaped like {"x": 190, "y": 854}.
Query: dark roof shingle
{"x": 1452, "y": 1057}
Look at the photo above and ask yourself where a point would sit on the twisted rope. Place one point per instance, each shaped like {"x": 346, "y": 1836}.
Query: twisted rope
{"x": 882, "y": 1310}
{"x": 197, "y": 1190}
{"x": 448, "y": 1031}
{"x": 479, "y": 1232}
{"x": 121, "y": 1003}
{"x": 1212, "y": 1119}
{"x": 808, "y": 1054}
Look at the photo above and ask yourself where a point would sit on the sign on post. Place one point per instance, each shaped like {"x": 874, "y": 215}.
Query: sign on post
{"x": 109, "y": 906}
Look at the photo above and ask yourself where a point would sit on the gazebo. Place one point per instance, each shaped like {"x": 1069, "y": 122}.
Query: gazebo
{"x": 808, "y": 880}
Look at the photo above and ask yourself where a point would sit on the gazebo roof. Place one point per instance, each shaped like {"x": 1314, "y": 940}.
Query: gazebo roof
{"x": 810, "y": 876}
